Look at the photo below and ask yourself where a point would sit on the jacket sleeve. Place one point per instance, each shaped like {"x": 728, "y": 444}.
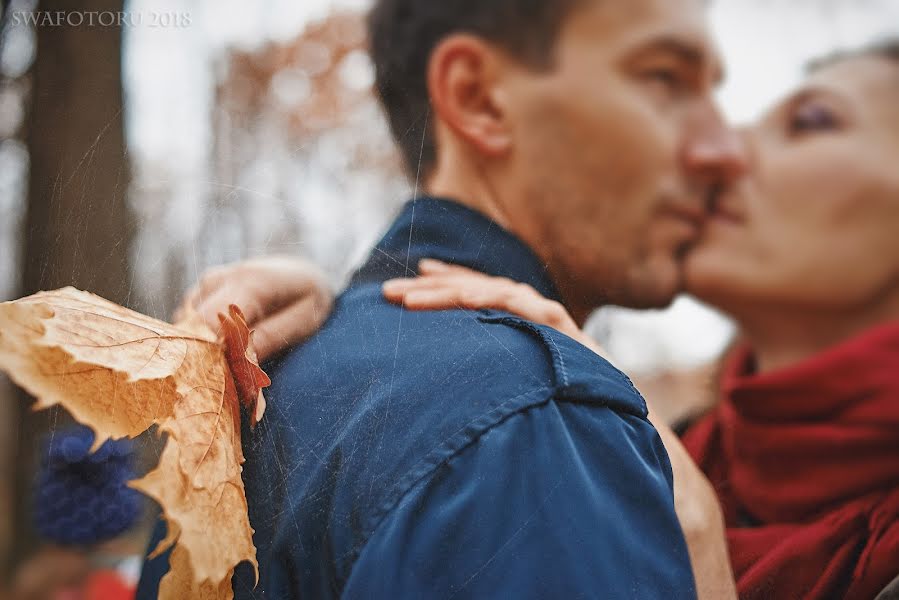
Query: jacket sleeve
{"x": 563, "y": 500}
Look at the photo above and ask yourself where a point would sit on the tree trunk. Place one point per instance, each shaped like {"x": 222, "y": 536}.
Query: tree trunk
{"x": 77, "y": 228}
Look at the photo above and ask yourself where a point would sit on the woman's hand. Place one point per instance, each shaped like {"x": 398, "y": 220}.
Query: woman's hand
{"x": 441, "y": 286}
{"x": 284, "y": 299}
{"x": 701, "y": 520}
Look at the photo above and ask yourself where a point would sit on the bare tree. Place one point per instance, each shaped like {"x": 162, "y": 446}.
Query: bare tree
{"x": 77, "y": 227}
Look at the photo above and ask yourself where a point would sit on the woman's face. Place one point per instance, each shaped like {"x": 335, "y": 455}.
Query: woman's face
{"x": 814, "y": 225}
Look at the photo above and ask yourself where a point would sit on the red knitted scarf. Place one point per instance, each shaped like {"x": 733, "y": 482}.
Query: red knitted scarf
{"x": 805, "y": 461}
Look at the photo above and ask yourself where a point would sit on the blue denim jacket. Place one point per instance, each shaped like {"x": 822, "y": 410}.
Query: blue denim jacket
{"x": 454, "y": 454}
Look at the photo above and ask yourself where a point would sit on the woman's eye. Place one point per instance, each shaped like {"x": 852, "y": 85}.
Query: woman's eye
{"x": 812, "y": 117}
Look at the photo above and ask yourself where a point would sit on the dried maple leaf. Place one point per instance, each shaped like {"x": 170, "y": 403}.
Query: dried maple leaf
{"x": 119, "y": 373}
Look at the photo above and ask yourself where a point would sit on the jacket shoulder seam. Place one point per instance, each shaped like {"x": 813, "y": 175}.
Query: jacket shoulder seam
{"x": 449, "y": 448}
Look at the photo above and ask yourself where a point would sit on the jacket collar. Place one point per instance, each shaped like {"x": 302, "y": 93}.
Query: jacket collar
{"x": 440, "y": 228}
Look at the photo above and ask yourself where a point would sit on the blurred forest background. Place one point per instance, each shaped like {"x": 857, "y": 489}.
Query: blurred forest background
{"x": 132, "y": 158}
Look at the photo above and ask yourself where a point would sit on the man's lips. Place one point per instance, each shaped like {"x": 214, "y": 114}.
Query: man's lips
{"x": 694, "y": 215}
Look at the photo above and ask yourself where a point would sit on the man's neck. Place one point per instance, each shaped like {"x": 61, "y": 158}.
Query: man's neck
{"x": 467, "y": 184}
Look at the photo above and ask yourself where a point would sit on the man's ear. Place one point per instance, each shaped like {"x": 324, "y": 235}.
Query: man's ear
{"x": 463, "y": 77}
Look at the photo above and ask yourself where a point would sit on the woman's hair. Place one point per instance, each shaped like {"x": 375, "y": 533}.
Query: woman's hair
{"x": 887, "y": 49}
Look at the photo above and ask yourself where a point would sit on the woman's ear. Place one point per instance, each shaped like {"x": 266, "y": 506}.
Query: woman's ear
{"x": 463, "y": 82}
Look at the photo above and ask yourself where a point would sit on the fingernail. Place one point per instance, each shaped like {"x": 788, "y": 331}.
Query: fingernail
{"x": 395, "y": 285}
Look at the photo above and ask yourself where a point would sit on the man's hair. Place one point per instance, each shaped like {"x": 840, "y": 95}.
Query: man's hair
{"x": 404, "y": 33}
{"x": 887, "y": 49}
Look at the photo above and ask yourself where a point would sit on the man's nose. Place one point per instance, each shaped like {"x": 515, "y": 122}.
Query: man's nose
{"x": 716, "y": 152}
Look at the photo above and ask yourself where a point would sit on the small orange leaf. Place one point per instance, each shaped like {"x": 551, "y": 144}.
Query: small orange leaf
{"x": 249, "y": 378}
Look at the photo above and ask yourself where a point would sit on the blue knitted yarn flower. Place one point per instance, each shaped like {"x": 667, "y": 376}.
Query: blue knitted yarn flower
{"x": 80, "y": 498}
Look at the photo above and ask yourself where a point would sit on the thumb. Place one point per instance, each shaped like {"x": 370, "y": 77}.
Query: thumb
{"x": 291, "y": 325}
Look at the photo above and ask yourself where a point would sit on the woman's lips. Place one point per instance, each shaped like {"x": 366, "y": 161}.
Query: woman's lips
{"x": 725, "y": 217}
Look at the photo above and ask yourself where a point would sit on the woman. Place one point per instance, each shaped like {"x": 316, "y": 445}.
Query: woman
{"x": 803, "y": 449}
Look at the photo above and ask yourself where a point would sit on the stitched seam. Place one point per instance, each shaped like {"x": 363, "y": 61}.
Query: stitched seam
{"x": 558, "y": 361}
{"x": 443, "y": 453}
{"x": 401, "y": 489}
{"x": 561, "y": 358}
{"x": 558, "y": 357}
{"x": 429, "y": 455}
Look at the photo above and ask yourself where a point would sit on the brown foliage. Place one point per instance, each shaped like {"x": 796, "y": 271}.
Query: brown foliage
{"x": 120, "y": 372}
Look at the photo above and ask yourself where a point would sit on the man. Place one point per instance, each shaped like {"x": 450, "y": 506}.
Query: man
{"x": 569, "y": 145}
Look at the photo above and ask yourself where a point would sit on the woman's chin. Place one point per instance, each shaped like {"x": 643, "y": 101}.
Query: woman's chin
{"x": 710, "y": 275}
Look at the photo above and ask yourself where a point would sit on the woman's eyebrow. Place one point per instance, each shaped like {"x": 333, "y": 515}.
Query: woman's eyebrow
{"x": 810, "y": 91}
